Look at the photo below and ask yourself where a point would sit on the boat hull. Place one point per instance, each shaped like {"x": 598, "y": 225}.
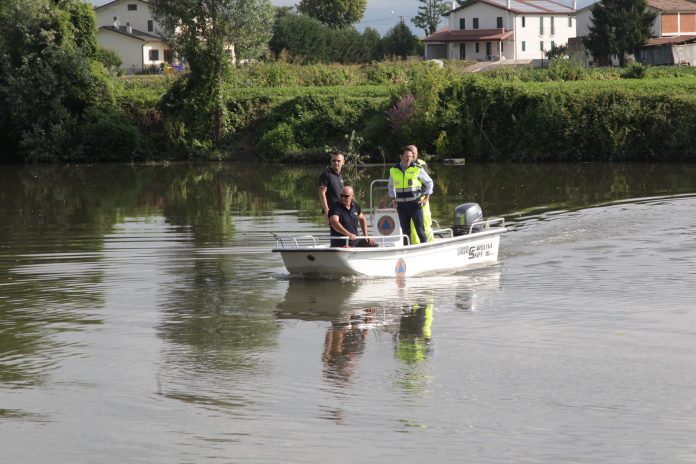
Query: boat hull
{"x": 443, "y": 255}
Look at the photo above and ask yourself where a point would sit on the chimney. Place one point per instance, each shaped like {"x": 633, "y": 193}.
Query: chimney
{"x": 454, "y": 5}
{"x": 575, "y": 5}
{"x": 509, "y": 4}
{"x": 116, "y": 23}
{"x": 129, "y": 28}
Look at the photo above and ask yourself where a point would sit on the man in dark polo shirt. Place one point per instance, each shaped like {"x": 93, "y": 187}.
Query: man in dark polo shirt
{"x": 331, "y": 183}
{"x": 344, "y": 216}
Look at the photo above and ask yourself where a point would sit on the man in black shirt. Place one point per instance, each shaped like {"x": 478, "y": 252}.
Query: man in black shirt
{"x": 331, "y": 183}
{"x": 344, "y": 217}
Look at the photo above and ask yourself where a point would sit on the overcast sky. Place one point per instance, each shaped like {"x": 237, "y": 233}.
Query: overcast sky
{"x": 382, "y": 14}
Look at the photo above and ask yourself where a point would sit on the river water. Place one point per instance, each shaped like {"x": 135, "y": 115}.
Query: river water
{"x": 143, "y": 320}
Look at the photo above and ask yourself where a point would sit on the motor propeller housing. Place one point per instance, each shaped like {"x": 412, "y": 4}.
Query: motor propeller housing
{"x": 465, "y": 216}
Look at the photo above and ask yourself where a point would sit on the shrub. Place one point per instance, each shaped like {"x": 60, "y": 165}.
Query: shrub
{"x": 108, "y": 134}
{"x": 634, "y": 71}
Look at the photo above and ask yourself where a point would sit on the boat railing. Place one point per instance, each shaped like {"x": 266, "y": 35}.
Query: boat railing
{"x": 284, "y": 241}
{"x": 440, "y": 232}
{"x": 323, "y": 241}
{"x": 385, "y": 183}
{"x": 487, "y": 224}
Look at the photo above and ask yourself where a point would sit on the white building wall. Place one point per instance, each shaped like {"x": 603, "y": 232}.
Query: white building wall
{"x": 134, "y": 53}
{"x": 128, "y": 49}
{"x": 508, "y": 47}
{"x": 137, "y": 18}
{"x": 532, "y": 40}
{"x": 528, "y": 40}
{"x": 487, "y": 17}
{"x": 584, "y": 20}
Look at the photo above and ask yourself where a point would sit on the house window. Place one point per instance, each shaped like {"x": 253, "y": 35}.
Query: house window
{"x": 553, "y": 28}
{"x": 154, "y": 55}
{"x": 132, "y": 7}
{"x": 150, "y": 25}
{"x": 502, "y": 46}
{"x": 168, "y": 55}
{"x": 462, "y": 51}
{"x": 477, "y": 47}
{"x": 462, "y": 23}
{"x": 499, "y": 22}
{"x": 524, "y": 22}
{"x": 475, "y": 23}
{"x": 524, "y": 46}
{"x": 553, "y": 45}
{"x": 541, "y": 45}
{"x": 570, "y": 21}
{"x": 541, "y": 25}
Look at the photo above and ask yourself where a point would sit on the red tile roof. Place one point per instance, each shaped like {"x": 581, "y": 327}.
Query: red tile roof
{"x": 673, "y": 5}
{"x": 469, "y": 35}
{"x": 680, "y": 39}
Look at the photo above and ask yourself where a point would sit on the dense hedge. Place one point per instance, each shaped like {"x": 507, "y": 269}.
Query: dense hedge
{"x": 573, "y": 121}
{"x": 291, "y": 113}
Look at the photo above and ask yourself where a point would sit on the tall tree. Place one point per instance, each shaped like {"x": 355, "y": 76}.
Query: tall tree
{"x": 208, "y": 33}
{"x": 334, "y": 13}
{"x": 400, "y": 41}
{"x": 49, "y": 77}
{"x": 619, "y": 27}
{"x": 430, "y": 14}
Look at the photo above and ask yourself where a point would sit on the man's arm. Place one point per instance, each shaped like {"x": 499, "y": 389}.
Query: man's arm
{"x": 338, "y": 227}
{"x": 392, "y": 191}
{"x": 324, "y": 204}
{"x": 363, "y": 224}
{"x": 429, "y": 185}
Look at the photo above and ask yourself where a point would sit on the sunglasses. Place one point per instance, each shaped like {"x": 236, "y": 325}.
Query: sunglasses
{"x": 344, "y": 195}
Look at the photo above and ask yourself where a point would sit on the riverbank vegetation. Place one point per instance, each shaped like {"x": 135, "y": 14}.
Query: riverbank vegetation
{"x": 61, "y": 104}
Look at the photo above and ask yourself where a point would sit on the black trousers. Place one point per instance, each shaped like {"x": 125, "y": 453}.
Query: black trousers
{"x": 408, "y": 211}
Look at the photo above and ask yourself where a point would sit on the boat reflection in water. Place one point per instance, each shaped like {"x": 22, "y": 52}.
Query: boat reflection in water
{"x": 404, "y": 310}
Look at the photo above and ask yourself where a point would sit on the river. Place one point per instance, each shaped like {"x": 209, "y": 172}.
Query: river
{"x": 144, "y": 320}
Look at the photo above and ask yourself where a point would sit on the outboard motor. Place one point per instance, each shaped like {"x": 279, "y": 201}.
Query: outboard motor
{"x": 465, "y": 216}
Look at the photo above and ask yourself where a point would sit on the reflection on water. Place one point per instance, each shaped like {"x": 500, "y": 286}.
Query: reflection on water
{"x": 361, "y": 311}
{"x": 142, "y": 318}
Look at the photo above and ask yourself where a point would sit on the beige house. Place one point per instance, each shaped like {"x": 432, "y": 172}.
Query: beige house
{"x": 128, "y": 28}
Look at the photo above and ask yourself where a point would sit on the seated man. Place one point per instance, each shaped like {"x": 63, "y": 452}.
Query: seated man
{"x": 344, "y": 216}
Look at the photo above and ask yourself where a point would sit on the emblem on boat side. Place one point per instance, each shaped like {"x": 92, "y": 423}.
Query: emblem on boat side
{"x": 400, "y": 268}
{"x": 385, "y": 225}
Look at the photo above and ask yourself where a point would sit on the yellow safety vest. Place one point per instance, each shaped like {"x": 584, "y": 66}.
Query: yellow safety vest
{"x": 406, "y": 183}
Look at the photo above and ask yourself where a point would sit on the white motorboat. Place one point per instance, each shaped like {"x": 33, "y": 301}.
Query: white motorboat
{"x": 472, "y": 242}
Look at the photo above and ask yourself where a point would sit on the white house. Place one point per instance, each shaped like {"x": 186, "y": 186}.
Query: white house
{"x": 128, "y": 28}
{"x": 503, "y": 30}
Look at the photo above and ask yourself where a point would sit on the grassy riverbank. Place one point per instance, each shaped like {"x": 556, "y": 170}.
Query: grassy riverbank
{"x": 283, "y": 112}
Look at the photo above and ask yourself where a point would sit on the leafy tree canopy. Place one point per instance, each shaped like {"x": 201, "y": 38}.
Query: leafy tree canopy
{"x": 430, "y": 14}
{"x": 619, "y": 27}
{"x": 207, "y": 33}
{"x": 400, "y": 41}
{"x": 334, "y": 13}
{"x": 307, "y": 40}
{"x": 49, "y": 77}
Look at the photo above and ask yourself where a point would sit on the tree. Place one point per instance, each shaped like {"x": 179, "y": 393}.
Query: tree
{"x": 619, "y": 27}
{"x": 49, "y": 78}
{"x": 429, "y": 15}
{"x": 207, "y": 33}
{"x": 400, "y": 41}
{"x": 307, "y": 40}
{"x": 334, "y": 13}
{"x": 303, "y": 38}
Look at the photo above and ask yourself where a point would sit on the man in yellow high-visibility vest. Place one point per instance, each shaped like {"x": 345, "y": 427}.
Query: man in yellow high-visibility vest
{"x": 427, "y": 215}
{"x": 410, "y": 188}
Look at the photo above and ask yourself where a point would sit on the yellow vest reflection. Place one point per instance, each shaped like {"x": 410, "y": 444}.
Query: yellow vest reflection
{"x": 413, "y": 340}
